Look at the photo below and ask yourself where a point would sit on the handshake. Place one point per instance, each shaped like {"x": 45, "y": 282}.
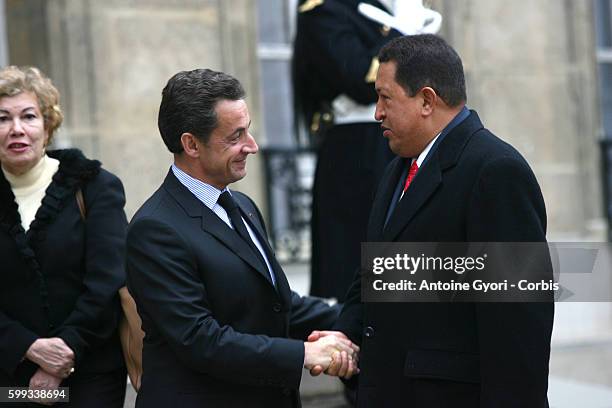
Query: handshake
{"x": 331, "y": 352}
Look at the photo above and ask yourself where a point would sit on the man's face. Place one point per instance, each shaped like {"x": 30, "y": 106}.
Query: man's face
{"x": 223, "y": 157}
{"x": 399, "y": 114}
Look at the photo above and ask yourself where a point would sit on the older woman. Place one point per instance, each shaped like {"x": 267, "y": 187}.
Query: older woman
{"x": 62, "y": 230}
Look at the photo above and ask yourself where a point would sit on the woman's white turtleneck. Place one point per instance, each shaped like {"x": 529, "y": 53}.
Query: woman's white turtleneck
{"x": 29, "y": 188}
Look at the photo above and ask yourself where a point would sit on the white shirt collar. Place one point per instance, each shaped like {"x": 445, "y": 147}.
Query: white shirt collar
{"x": 204, "y": 192}
{"x": 423, "y": 154}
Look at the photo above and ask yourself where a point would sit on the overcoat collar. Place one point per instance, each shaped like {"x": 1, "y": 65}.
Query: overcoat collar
{"x": 74, "y": 171}
{"x": 429, "y": 179}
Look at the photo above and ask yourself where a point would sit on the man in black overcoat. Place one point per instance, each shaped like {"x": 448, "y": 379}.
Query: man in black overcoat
{"x": 454, "y": 181}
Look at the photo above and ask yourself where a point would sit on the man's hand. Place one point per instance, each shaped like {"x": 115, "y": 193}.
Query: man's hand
{"x": 343, "y": 362}
{"x": 42, "y": 380}
{"x": 53, "y": 356}
{"x": 342, "y": 366}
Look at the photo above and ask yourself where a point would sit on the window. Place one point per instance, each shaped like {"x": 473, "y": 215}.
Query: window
{"x": 276, "y": 20}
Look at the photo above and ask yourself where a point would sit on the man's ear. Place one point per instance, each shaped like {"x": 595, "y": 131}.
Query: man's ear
{"x": 191, "y": 145}
{"x": 429, "y": 100}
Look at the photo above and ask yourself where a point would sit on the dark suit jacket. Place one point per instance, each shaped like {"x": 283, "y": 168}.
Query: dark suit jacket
{"x": 217, "y": 330}
{"x": 474, "y": 188}
{"x": 332, "y": 54}
{"x": 61, "y": 277}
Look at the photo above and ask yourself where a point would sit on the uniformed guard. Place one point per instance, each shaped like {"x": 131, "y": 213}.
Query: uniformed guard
{"x": 334, "y": 69}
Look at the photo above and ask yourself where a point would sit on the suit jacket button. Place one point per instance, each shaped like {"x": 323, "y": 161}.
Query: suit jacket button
{"x": 277, "y": 307}
{"x": 368, "y": 332}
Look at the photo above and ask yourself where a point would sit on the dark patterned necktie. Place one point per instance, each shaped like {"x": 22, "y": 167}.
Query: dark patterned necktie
{"x": 231, "y": 208}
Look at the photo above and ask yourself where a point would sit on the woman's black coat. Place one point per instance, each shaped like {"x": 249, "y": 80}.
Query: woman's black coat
{"x": 60, "y": 278}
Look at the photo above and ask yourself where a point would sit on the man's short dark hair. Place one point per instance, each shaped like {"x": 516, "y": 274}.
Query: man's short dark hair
{"x": 426, "y": 60}
{"x": 188, "y": 104}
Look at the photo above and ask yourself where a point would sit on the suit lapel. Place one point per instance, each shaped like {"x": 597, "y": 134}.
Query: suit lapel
{"x": 423, "y": 186}
{"x": 212, "y": 224}
{"x": 282, "y": 285}
{"x": 428, "y": 180}
{"x": 380, "y": 207}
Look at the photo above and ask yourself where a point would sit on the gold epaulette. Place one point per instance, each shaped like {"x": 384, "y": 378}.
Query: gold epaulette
{"x": 318, "y": 119}
{"x": 309, "y": 5}
{"x": 371, "y": 75}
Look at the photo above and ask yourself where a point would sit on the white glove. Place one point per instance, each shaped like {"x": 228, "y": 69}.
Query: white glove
{"x": 410, "y": 17}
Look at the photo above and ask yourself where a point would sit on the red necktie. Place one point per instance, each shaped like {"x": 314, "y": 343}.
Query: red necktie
{"x": 411, "y": 173}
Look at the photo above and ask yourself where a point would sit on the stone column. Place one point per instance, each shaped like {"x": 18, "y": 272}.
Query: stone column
{"x": 532, "y": 77}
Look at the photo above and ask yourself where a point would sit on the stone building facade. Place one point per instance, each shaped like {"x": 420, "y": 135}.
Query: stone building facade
{"x": 531, "y": 73}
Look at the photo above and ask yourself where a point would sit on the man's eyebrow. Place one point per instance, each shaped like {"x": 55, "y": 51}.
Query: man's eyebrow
{"x": 241, "y": 128}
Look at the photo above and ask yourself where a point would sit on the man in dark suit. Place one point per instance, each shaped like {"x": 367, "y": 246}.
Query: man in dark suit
{"x": 219, "y": 316}
{"x": 453, "y": 181}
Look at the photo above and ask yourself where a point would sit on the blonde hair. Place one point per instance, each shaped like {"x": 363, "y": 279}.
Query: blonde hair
{"x": 15, "y": 80}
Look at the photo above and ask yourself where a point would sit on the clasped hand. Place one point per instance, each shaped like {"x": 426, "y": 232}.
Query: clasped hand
{"x": 53, "y": 356}
{"x": 55, "y": 360}
{"x": 331, "y": 352}
{"x": 42, "y": 380}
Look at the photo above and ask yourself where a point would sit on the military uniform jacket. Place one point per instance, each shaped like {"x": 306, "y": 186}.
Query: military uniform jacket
{"x": 335, "y": 53}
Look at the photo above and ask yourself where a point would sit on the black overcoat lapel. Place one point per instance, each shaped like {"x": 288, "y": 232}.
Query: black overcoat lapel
{"x": 383, "y": 198}
{"x": 425, "y": 184}
{"x": 428, "y": 181}
{"x": 212, "y": 224}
